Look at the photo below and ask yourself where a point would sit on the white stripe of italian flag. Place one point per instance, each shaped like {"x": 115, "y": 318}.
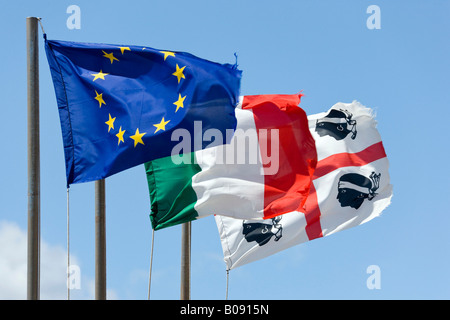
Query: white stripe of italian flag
{"x": 264, "y": 171}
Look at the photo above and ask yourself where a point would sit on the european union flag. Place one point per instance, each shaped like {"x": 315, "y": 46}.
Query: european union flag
{"x": 119, "y": 105}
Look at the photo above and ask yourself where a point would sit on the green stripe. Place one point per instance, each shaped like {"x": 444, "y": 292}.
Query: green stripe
{"x": 171, "y": 195}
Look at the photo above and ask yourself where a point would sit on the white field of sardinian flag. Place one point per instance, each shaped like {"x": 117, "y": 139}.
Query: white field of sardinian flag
{"x": 350, "y": 187}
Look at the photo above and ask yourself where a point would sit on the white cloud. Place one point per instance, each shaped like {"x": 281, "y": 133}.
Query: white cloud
{"x": 13, "y": 262}
{"x": 53, "y": 278}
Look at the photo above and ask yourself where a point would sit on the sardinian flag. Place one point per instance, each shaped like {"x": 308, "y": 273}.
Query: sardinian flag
{"x": 350, "y": 187}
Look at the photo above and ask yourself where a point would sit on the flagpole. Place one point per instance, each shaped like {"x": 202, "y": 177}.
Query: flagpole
{"x": 100, "y": 241}
{"x": 185, "y": 293}
{"x": 33, "y": 254}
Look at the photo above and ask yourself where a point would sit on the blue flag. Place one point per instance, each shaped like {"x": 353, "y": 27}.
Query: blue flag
{"x": 119, "y": 105}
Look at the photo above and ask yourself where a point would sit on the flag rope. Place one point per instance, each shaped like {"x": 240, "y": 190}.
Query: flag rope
{"x": 42, "y": 27}
{"x": 68, "y": 248}
{"x": 228, "y": 276}
{"x": 151, "y": 262}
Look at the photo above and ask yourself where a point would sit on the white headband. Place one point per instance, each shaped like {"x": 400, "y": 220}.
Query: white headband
{"x": 332, "y": 120}
{"x": 349, "y": 185}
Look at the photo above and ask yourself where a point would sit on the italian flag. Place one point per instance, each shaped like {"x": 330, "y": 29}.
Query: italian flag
{"x": 351, "y": 186}
{"x": 264, "y": 171}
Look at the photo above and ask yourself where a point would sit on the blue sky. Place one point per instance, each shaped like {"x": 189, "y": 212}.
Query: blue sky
{"x": 321, "y": 47}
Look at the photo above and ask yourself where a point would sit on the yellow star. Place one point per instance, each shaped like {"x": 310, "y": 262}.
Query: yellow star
{"x": 161, "y": 125}
{"x": 110, "y": 56}
{"x": 122, "y": 49}
{"x": 99, "y": 98}
{"x": 110, "y": 122}
{"x": 120, "y": 135}
{"x": 179, "y": 73}
{"x": 99, "y": 75}
{"x": 137, "y": 137}
{"x": 168, "y": 53}
{"x": 179, "y": 102}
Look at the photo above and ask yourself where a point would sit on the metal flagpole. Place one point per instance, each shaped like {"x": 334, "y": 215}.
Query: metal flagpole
{"x": 33, "y": 254}
{"x": 185, "y": 261}
{"x": 100, "y": 241}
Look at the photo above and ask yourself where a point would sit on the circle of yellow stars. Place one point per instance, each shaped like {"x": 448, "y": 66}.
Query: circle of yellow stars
{"x": 137, "y": 136}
